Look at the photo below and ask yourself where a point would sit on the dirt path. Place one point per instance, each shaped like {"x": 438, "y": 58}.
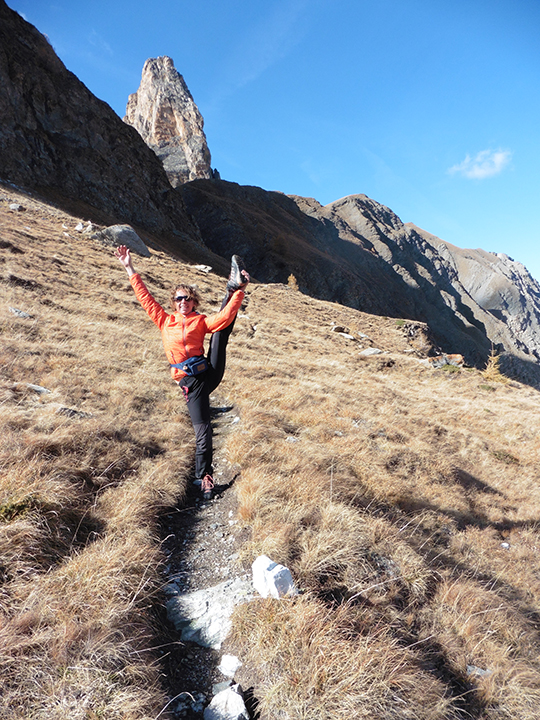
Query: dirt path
{"x": 201, "y": 542}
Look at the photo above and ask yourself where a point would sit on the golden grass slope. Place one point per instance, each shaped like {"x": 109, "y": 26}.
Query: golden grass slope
{"x": 404, "y": 499}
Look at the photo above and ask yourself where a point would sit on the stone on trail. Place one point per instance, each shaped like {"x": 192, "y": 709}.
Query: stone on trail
{"x": 227, "y": 705}
{"x": 272, "y": 579}
{"x": 229, "y": 665}
{"x": 204, "y": 616}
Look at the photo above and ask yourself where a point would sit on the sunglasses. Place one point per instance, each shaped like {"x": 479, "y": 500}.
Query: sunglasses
{"x": 179, "y": 298}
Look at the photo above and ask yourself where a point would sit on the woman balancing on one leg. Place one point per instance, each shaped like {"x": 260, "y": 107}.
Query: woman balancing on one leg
{"x": 183, "y": 333}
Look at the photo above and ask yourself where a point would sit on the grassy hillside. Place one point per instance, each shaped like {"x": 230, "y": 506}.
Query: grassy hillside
{"x": 404, "y": 499}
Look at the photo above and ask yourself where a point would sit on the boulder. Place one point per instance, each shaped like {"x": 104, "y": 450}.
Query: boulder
{"x": 116, "y": 235}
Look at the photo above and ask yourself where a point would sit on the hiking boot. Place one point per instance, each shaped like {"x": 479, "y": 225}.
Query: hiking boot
{"x": 236, "y": 280}
{"x": 207, "y": 485}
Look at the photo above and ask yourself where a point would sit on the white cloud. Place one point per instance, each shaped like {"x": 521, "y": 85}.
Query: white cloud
{"x": 487, "y": 163}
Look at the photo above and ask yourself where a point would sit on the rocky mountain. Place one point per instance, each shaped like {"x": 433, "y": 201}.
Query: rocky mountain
{"x": 501, "y": 286}
{"x": 58, "y": 139}
{"x": 165, "y": 115}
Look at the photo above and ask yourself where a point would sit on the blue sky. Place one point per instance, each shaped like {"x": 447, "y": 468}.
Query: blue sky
{"x": 431, "y": 107}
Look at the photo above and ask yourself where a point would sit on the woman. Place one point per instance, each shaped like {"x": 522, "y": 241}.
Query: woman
{"x": 183, "y": 333}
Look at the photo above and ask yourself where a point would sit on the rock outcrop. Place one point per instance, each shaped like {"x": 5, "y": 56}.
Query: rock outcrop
{"x": 501, "y": 286}
{"x": 165, "y": 115}
{"x": 60, "y": 140}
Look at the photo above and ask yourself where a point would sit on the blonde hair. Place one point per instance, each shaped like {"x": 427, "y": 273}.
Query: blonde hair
{"x": 189, "y": 290}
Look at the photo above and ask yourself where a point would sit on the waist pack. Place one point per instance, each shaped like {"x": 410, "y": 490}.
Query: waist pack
{"x": 193, "y": 365}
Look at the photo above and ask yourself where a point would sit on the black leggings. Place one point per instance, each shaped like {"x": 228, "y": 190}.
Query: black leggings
{"x": 197, "y": 390}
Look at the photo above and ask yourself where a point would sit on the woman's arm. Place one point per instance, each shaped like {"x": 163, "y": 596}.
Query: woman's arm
{"x": 224, "y": 317}
{"x": 156, "y": 313}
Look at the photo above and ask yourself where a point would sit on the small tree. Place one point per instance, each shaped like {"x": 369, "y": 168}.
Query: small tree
{"x": 492, "y": 371}
{"x": 291, "y": 282}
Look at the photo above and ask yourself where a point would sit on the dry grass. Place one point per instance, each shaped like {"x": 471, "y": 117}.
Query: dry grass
{"x": 404, "y": 499}
{"x": 339, "y": 663}
{"x": 382, "y": 484}
{"x": 86, "y": 468}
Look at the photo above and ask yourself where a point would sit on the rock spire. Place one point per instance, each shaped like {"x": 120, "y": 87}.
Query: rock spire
{"x": 165, "y": 115}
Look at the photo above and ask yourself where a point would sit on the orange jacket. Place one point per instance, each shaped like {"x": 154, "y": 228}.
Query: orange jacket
{"x": 183, "y": 336}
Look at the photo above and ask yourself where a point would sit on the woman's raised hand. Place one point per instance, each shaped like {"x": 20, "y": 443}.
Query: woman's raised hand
{"x": 124, "y": 255}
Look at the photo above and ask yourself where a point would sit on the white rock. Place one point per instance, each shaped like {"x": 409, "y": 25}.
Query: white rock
{"x": 38, "y": 389}
{"x": 227, "y": 705}
{"x": 371, "y": 351}
{"x": 19, "y": 313}
{"x": 474, "y": 671}
{"x": 203, "y": 268}
{"x": 272, "y": 579}
{"x": 229, "y": 665}
{"x": 79, "y": 227}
